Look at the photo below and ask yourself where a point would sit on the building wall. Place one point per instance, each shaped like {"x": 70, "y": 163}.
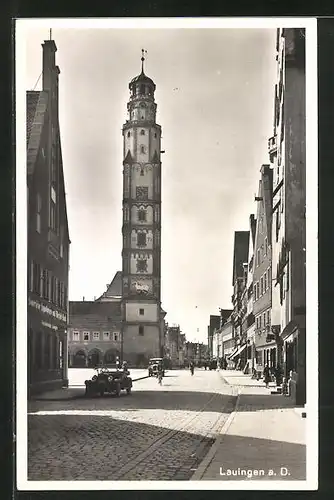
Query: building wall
{"x": 133, "y": 312}
{"x": 140, "y": 348}
{"x": 48, "y": 240}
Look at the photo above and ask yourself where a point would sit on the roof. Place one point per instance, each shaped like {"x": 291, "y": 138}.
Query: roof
{"x": 142, "y": 78}
{"x": 97, "y": 309}
{"x": 114, "y": 290}
{"x": 36, "y": 108}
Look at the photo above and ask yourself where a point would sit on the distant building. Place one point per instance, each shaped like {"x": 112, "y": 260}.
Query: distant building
{"x": 248, "y": 298}
{"x": 265, "y": 342}
{"x": 214, "y": 324}
{"x": 287, "y": 153}
{"x": 239, "y": 279}
{"x": 48, "y": 236}
{"x": 95, "y": 328}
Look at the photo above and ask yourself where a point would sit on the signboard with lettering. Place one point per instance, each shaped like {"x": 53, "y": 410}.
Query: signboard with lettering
{"x": 46, "y": 309}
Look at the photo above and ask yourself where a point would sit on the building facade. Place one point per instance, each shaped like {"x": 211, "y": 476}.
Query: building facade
{"x": 265, "y": 341}
{"x": 48, "y": 236}
{"x": 287, "y": 153}
{"x": 94, "y": 334}
{"x": 142, "y": 315}
{"x": 248, "y": 299}
{"x": 240, "y": 260}
{"x": 214, "y": 324}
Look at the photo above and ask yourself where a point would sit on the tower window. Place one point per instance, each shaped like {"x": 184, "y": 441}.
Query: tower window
{"x": 155, "y": 135}
{"x": 141, "y": 239}
{"x": 141, "y": 171}
{"x": 142, "y": 132}
{"x": 141, "y": 330}
{"x": 141, "y": 312}
{"x": 129, "y": 134}
{"x": 142, "y": 215}
{"x": 141, "y": 265}
{"x": 142, "y": 149}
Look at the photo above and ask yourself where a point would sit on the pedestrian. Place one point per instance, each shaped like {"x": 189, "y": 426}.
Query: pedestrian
{"x": 266, "y": 375}
{"x": 278, "y": 375}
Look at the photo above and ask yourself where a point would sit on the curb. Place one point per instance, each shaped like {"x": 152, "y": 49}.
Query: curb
{"x": 199, "y": 473}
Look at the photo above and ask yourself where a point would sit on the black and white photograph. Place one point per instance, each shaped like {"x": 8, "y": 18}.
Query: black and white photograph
{"x": 166, "y": 261}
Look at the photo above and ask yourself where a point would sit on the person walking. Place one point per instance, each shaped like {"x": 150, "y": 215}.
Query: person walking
{"x": 278, "y": 375}
{"x": 266, "y": 375}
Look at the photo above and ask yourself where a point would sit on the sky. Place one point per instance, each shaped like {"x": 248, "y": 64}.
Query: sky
{"x": 215, "y": 97}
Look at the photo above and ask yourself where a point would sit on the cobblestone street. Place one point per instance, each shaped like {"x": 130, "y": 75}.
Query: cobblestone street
{"x": 156, "y": 433}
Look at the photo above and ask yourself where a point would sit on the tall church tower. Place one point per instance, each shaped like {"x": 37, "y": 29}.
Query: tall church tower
{"x": 141, "y": 256}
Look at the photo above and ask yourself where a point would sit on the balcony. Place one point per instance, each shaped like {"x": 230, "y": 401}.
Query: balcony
{"x": 272, "y": 147}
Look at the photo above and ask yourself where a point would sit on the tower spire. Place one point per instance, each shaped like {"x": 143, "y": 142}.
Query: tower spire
{"x": 143, "y": 51}
{"x": 50, "y": 33}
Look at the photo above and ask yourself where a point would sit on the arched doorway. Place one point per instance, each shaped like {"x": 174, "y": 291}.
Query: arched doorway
{"x": 79, "y": 359}
{"x": 94, "y": 358}
{"x": 110, "y": 356}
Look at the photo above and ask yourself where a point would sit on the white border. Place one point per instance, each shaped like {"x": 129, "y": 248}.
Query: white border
{"x": 311, "y": 255}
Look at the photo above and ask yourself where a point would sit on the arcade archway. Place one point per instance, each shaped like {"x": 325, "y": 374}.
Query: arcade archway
{"x": 79, "y": 359}
{"x": 110, "y": 356}
{"x": 94, "y": 358}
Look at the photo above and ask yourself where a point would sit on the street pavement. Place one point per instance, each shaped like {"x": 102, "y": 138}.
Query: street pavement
{"x": 216, "y": 425}
{"x": 263, "y": 439}
{"x": 156, "y": 433}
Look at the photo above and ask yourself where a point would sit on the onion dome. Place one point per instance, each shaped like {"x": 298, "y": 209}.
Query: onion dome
{"x": 142, "y": 79}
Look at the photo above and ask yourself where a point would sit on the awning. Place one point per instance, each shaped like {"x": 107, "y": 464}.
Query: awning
{"x": 238, "y": 351}
{"x": 270, "y": 345}
{"x": 289, "y": 330}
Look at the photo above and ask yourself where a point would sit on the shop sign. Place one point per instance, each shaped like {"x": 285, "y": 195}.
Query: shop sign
{"x": 47, "y": 310}
{"x": 48, "y": 325}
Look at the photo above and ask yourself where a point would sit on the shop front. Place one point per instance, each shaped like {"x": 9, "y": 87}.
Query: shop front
{"x": 47, "y": 347}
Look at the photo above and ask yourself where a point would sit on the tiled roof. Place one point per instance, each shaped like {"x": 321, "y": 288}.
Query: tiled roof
{"x": 114, "y": 290}
{"x": 84, "y": 308}
{"x": 36, "y": 107}
{"x": 32, "y": 100}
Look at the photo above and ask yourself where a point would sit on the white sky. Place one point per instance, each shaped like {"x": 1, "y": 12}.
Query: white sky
{"x": 215, "y": 129}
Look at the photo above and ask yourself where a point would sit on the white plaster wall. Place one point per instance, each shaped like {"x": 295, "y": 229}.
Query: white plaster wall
{"x": 142, "y": 180}
{"x": 132, "y": 312}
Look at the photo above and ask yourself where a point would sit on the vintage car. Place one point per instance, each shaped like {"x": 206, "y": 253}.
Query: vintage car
{"x": 153, "y": 366}
{"x": 110, "y": 381}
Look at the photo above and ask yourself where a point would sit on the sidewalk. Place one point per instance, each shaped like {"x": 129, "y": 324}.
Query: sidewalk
{"x": 264, "y": 439}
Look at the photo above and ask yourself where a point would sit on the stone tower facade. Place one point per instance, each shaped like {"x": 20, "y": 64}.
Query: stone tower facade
{"x": 141, "y": 230}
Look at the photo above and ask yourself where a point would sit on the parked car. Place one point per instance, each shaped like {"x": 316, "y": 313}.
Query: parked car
{"x": 153, "y": 366}
{"x": 109, "y": 381}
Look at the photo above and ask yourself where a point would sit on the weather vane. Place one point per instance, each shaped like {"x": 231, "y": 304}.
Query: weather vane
{"x": 143, "y": 51}
{"x": 50, "y": 33}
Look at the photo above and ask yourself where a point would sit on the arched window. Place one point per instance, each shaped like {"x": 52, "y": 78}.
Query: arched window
{"x": 142, "y": 132}
{"x": 129, "y": 134}
{"x": 142, "y": 149}
{"x": 155, "y": 135}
